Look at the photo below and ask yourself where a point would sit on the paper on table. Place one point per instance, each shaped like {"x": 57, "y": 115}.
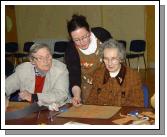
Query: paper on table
{"x": 75, "y": 123}
{"x": 91, "y": 111}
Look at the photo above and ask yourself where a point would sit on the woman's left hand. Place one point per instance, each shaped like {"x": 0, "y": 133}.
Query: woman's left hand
{"x": 76, "y": 101}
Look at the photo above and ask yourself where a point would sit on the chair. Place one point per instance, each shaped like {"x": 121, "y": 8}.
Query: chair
{"x": 11, "y": 49}
{"x": 101, "y": 33}
{"x": 59, "y": 49}
{"x": 146, "y": 95}
{"x": 26, "y": 49}
{"x": 9, "y": 68}
{"x": 137, "y": 49}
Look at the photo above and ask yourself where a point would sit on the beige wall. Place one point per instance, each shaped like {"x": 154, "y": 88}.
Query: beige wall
{"x": 49, "y": 22}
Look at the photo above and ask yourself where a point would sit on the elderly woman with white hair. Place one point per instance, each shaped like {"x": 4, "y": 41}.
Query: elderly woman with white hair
{"x": 114, "y": 83}
{"x": 43, "y": 80}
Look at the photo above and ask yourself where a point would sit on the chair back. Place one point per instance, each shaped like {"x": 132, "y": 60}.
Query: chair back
{"x": 123, "y": 42}
{"x": 137, "y": 45}
{"x": 11, "y": 47}
{"x": 27, "y": 46}
{"x": 60, "y": 48}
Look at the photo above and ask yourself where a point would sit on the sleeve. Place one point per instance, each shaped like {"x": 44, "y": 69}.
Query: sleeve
{"x": 12, "y": 83}
{"x": 137, "y": 96}
{"x": 59, "y": 93}
{"x": 72, "y": 61}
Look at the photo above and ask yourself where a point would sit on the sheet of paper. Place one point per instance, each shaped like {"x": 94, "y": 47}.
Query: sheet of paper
{"x": 75, "y": 123}
{"x": 91, "y": 111}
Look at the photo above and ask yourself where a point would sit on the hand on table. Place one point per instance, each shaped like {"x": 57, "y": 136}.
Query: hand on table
{"x": 76, "y": 101}
{"x": 25, "y": 95}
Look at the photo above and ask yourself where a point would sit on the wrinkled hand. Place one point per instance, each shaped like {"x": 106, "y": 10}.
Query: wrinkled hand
{"x": 54, "y": 107}
{"x": 76, "y": 101}
{"x": 25, "y": 95}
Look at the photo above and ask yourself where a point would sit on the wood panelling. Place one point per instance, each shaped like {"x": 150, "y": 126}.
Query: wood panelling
{"x": 10, "y": 24}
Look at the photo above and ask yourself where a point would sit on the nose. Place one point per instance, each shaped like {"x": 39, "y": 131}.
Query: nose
{"x": 46, "y": 60}
{"x": 109, "y": 62}
{"x": 82, "y": 42}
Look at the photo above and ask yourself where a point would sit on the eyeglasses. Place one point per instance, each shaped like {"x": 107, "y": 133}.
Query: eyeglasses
{"x": 83, "y": 38}
{"x": 41, "y": 59}
{"x": 113, "y": 60}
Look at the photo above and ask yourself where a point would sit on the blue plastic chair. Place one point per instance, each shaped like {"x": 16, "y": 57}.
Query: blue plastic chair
{"x": 146, "y": 95}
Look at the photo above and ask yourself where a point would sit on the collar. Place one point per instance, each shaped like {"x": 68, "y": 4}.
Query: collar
{"x": 120, "y": 76}
{"x": 39, "y": 72}
{"x": 92, "y": 46}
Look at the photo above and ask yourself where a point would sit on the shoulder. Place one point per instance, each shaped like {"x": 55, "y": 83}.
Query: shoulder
{"x": 58, "y": 65}
{"x": 25, "y": 69}
{"x": 70, "y": 46}
{"x": 132, "y": 72}
{"x": 101, "y": 33}
{"x": 23, "y": 66}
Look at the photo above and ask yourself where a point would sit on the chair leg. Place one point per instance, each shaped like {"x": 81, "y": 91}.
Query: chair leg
{"x": 138, "y": 64}
{"x": 145, "y": 65}
{"x": 144, "y": 62}
{"x": 128, "y": 62}
{"x": 125, "y": 62}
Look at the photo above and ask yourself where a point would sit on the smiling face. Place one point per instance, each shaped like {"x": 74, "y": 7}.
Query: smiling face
{"x": 81, "y": 38}
{"x": 43, "y": 59}
{"x": 111, "y": 59}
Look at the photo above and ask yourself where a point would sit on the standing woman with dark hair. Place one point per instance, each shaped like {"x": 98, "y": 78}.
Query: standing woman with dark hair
{"x": 82, "y": 56}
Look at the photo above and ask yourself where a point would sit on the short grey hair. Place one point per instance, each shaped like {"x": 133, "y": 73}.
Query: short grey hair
{"x": 37, "y": 46}
{"x": 111, "y": 43}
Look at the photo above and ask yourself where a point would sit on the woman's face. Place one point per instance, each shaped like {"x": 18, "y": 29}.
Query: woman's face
{"x": 111, "y": 59}
{"x": 43, "y": 59}
{"x": 81, "y": 38}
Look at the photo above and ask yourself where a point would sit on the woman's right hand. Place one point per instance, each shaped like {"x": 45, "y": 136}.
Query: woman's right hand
{"x": 76, "y": 100}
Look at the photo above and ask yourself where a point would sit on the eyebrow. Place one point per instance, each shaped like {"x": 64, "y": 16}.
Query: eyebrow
{"x": 81, "y": 37}
{"x": 44, "y": 56}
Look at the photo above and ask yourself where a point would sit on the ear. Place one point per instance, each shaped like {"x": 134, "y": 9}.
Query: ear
{"x": 32, "y": 61}
{"x": 101, "y": 60}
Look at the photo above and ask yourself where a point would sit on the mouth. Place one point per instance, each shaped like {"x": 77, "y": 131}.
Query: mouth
{"x": 84, "y": 46}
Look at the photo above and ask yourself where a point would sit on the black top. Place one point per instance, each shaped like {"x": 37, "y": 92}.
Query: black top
{"x": 72, "y": 58}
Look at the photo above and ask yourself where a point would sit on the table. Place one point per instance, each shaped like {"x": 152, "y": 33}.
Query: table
{"x": 43, "y": 118}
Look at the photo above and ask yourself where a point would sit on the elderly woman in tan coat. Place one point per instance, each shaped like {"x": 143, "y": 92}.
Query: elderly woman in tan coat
{"x": 114, "y": 83}
{"x": 43, "y": 80}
